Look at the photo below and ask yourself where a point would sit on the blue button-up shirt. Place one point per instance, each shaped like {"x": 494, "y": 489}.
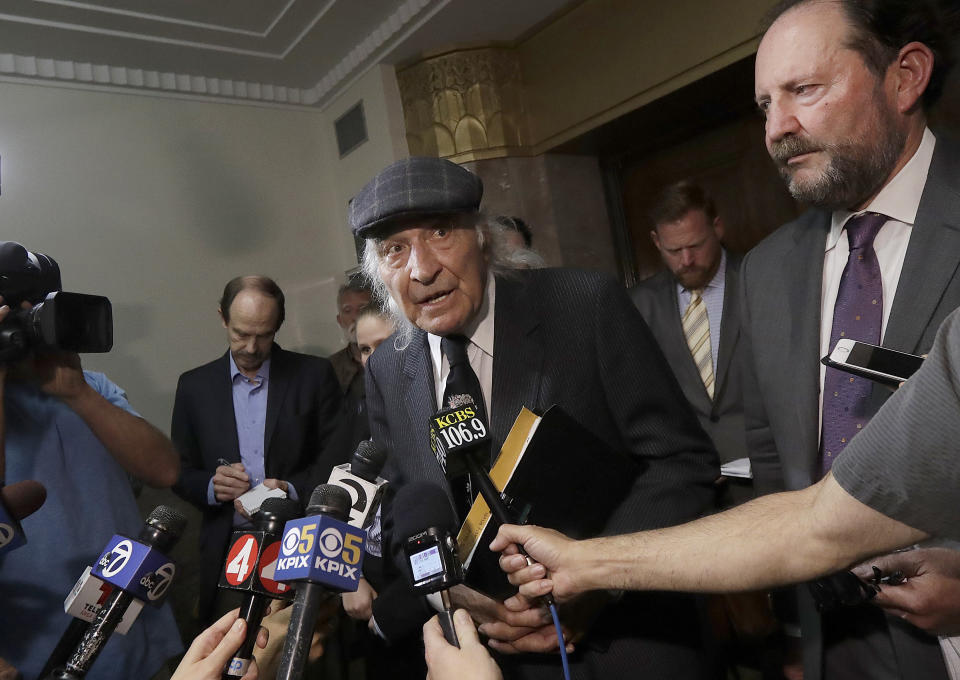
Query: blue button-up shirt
{"x": 250, "y": 413}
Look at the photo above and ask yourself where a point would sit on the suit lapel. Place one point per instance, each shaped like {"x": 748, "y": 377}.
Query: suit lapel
{"x": 279, "y": 381}
{"x": 517, "y": 357}
{"x": 931, "y": 260}
{"x": 222, "y": 407}
{"x": 796, "y": 345}
{"x": 419, "y": 396}
{"x": 729, "y": 323}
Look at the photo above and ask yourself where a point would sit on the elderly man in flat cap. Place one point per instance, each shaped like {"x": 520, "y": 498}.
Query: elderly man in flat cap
{"x": 534, "y": 338}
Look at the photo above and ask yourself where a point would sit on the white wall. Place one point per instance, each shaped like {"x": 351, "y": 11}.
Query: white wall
{"x": 157, "y": 202}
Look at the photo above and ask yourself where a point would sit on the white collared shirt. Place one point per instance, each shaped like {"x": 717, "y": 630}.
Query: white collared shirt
{"x": 899, "y": 200}
{"x": 479, "y": 350}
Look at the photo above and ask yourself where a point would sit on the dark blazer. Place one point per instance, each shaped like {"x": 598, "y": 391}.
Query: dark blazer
{"x": 721, "y": 416}
{"x": 781, "y": 281}
{"x": 574, "y": 339}
{"x": 303, "y": 401}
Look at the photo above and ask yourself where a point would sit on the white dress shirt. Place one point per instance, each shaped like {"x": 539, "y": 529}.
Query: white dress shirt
{"x": 479, "y": 350}
{"x": 899, "y": 200}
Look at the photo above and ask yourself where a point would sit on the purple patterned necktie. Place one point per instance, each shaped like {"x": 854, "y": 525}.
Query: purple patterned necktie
{"x": 857, "y": 315}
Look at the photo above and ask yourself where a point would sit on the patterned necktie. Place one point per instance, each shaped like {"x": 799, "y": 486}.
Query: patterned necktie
{"x": 462, "y": 387}
{"x": 696, "y": 328}
{"x": 857, "y": 315}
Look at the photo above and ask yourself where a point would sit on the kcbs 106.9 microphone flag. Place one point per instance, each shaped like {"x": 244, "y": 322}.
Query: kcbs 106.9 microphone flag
{"x": 138, "y": 569}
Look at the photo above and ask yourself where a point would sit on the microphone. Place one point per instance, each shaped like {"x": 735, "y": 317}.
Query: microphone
{"x": 424, "y": 516}
{"x": 324, "y": 554}
{"x": 18, "y": 501}
{"x": 138, "y": 570}
{"x": 360, "y": 479}
{"x": 457, "y": 434}
{"x": 250, "y": 568}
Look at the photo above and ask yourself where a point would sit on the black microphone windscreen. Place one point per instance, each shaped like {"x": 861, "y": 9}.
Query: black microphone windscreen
{"x": 419, "y": 506}
{"x": 24, "y": 498}
{"x": 282, "y": 509}
{"x": 368, "y": 460}
{"x": 330, "y": 499}
{"x": 167, "y": 519}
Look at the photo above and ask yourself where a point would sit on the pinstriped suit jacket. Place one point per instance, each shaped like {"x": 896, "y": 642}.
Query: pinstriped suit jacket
{"x": 574, "y": 339}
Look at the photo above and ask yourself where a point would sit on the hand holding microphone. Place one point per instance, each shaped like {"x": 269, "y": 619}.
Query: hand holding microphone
{"x": 214, "y": 647}
{"x": 468, "y": 661}
{"x": 250, "y": 567}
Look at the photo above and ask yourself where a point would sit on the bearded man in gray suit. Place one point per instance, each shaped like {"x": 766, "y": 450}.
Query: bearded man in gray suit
{"x": 845, "y": 86}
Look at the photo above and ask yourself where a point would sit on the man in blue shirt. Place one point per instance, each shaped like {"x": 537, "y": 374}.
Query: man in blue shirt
{"x": 258, "y": 414}
{"x": 75, "y": 432}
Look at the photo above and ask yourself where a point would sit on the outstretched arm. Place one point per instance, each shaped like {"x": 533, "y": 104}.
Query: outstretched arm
{"x": 773, "y": 540}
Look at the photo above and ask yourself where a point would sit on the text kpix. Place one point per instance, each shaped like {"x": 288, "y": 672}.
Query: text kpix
{"x": 323, "y": 550}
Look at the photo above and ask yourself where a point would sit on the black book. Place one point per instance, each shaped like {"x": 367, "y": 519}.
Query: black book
{"x": 554, "y": 473}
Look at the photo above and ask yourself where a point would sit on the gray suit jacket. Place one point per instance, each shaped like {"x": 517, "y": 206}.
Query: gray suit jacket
{"x": 781, "y": 283}
{"x": 721, "y": 416}
{"x": 574, "y": 339}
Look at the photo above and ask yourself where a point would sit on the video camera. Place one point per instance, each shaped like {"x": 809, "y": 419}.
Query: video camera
{"x": 56, "y": 320}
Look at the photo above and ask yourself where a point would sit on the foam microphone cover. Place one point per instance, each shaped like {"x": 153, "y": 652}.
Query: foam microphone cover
{"x": 331, "y": 500}
{"x": 419, "y": 506}
{"x": 368, "y": 461}
{"x": 24, "y": 498}
{"x": 167, "y": 519}
{"x": 281, "y": 509}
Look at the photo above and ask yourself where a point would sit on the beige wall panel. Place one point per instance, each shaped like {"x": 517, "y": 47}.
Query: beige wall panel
{"x": 607, "y": 57}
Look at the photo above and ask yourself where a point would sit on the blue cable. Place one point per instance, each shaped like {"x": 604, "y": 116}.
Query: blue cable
{"x": 563, "y": 645}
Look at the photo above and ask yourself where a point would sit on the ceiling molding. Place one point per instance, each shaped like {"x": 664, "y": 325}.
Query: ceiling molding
{"x": 164, "y": 40}
{"x": 121, "y": 76}
{"x": 287, "y": 53}
{"x": 89, "y": 7}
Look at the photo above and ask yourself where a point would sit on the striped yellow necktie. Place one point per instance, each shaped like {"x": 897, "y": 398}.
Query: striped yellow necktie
{"x": 696, "y": 328}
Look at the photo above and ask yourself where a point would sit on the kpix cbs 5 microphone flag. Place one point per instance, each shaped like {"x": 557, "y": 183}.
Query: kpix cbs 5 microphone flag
{"x": 321, "y": 550}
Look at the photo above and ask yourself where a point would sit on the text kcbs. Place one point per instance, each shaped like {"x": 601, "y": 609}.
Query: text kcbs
{"x": 459, "y": 427}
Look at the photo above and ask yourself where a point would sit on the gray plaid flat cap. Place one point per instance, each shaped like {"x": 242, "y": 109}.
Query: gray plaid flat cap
{"x": 414, "y": 186}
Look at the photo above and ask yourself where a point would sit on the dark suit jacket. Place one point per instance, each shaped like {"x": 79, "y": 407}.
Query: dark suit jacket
{"x": 574, "y": 339}
{"x": 303, "y": 401}
{"x": 721, "y": 416}
{"x": 781, "y": 281}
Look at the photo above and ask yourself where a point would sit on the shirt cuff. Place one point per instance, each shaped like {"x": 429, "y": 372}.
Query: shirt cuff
{"x": 376, "y": 628}
{"x": 292, "y": 491}
{"x": 211, "y": 496}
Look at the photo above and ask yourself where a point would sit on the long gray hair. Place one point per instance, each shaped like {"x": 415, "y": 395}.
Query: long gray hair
{"x": 502, "y": 258}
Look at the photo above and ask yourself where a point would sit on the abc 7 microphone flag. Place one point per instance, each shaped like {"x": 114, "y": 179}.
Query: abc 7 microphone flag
{"x": 322, "y": 550}
{"x": 136, "y": 568}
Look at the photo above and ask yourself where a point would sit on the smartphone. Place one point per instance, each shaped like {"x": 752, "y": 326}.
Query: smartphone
{"x": 885, "y": 366}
